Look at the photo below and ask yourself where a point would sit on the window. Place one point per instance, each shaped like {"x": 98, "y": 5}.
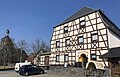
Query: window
{"x": 82, "y": 24}
{"x": 57, "y": 44}
{"x": 57, "y": 58}
{"x": 66, "y": 29}
{"x": 93, "y": 55}
{"x": 80, "y": 40}
{"x": 67, "y": 42}
{"x": 94, "y": 37}
{"x": 38, "y": 58}
{"x": 66, "y": 57}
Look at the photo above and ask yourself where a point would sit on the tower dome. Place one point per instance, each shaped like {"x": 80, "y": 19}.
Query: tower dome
{"x": 6, "y": 40}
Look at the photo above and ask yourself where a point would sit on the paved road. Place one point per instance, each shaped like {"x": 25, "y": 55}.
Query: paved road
{"x": 12, "y": 73}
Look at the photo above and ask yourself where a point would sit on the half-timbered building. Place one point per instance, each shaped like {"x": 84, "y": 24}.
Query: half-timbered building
{"x": 83, "y": 38}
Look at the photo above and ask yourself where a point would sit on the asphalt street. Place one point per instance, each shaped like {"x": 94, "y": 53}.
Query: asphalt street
{"x": 12, "y": 73}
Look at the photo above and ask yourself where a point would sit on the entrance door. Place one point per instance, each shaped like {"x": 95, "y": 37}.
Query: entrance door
{"x": 46, "y": 60}
{"x": 83, "y": 60}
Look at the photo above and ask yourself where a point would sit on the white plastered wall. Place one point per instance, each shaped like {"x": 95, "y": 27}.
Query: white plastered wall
{"x": 114, "y": 40}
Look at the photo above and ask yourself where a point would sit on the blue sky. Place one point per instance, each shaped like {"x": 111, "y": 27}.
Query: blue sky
{"x": 31, "y": 19}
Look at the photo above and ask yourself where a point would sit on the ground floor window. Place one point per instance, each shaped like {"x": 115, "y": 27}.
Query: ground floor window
{"x": 66, "y": 58}
{"x": 93, "y": 55}
{"x": 57, "y": 58}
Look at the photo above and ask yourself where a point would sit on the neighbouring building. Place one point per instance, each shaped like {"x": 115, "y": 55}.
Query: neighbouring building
{"x": 30, "y": 58}
{"x": 42, "y": 58}
{"x": 83, "y": 38}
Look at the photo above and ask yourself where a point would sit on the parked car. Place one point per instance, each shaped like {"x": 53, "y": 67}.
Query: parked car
{"x": 30, "y": 70}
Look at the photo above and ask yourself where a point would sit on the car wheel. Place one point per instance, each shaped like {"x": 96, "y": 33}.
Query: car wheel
{"x": 26, "y": 74}
{"x": 42, "y": 72}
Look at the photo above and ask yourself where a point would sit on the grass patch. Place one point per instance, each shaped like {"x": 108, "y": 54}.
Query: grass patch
{"x": 6, "y": 67}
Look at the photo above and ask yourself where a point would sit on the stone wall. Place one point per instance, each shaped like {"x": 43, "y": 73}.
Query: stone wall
{"x": 67, "y": 71}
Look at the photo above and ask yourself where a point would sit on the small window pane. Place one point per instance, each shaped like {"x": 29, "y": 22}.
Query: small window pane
{"x": 94, "y": 37}
{"x": 82, "y": 23}
{"x": 93, "y": 56}
{"x": 93, "y": 52}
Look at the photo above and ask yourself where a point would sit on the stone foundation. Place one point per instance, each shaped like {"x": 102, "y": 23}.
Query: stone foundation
{"x": 77, "y": 72}
{"x": 67, "y": 71}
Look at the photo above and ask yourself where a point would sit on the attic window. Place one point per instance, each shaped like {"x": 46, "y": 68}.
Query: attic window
{"x": 82, "y": 24}
{"x": 66, "y": 29}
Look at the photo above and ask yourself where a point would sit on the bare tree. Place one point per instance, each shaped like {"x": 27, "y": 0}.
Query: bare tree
{"x": 39, "y": 44}
{"x": 22, "y": 44}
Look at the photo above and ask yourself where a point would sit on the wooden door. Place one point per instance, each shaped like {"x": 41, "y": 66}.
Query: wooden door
{"x": 47, "y": 60}
{"x": 116, "y": 71}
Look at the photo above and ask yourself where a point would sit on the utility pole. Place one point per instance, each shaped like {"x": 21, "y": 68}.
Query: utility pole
{"x": 4, "y": 59}
{"x": 21, "y": 49}
{"x": 20, "y": 55}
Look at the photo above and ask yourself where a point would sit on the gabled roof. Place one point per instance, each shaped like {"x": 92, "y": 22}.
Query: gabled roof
{"x": 113, "y": 53}
{"x": 81, "y": 12}
{"x": 42, "y": 52}
{"x": 86, "y": 11}
{"x": 111, "y": 25}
